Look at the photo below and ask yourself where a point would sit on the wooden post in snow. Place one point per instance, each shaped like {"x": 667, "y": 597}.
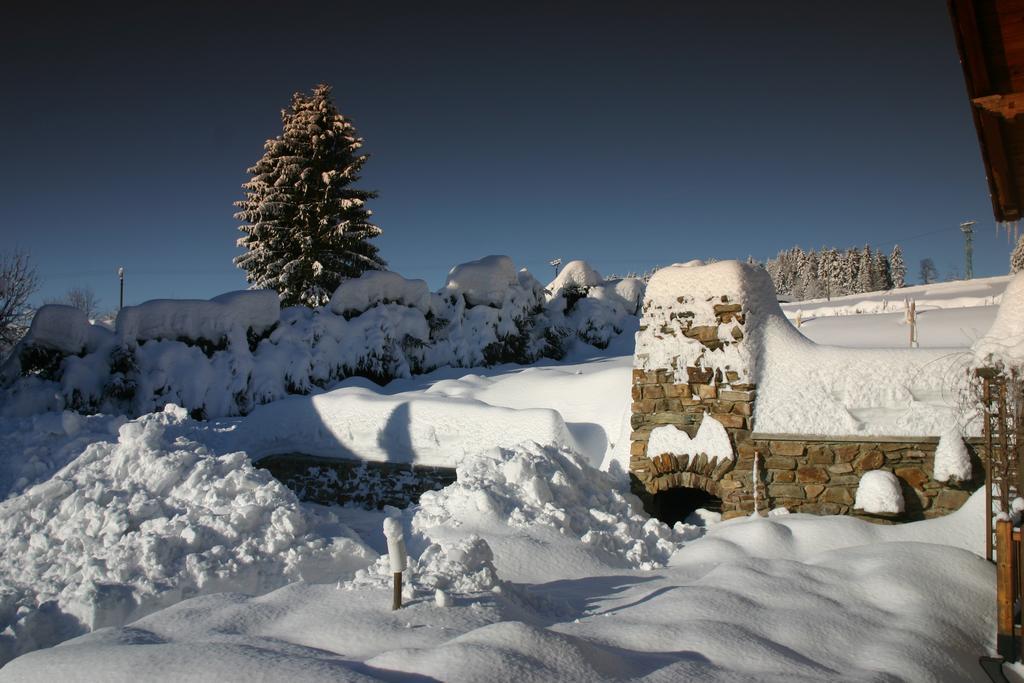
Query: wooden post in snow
{"x": 912, "y": 321}
{"x": 397, "y": 555}
{"x": 1006, "y": 643}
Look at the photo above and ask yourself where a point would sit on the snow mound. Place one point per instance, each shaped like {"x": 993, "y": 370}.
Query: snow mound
{"x": 1003, "y": 344}
{"x": 952, "y": 460}
{"x": 63, "y": 328}
{"x": 879, "y": 492}
{"x": 379, "y": 286}
{"x": 462, "y": 566}
{"x": 574, "y": 275}
{"x": 420, "y": 429}
{"x": 530, "y": 488}
{"x": 483, "y": 282}
{"x": 711, "y": 439}
{"x": 212, "y": 320}
{"x": 132, "y": 526}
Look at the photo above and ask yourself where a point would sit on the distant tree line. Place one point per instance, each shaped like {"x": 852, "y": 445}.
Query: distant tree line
{"x": 828, "y": 272}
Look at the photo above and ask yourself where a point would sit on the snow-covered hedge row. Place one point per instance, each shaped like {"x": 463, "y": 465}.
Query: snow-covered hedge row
{"x": 225, "y": 356}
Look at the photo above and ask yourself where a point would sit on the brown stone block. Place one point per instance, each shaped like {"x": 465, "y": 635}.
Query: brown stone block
{"x": 820, "y": 455}
{"x": 741, "y": 435}
{"x": 727, "y": 308}
{"x": 665, "y": 418}
{"x": 775, "y": 462}
{"x": 790, "y": 448}
{"x": 915, "y": 455}
{"x": 682, "y": 462}
{"x": 871, "y": 460}
{"x": 697, "y": 464}
{"x": 745, "y": 409}
{"x": 838, "y": 495}
{"x": 639, "y": 376}
{"x": 951, "y": 499}
{"x": 813, "y": 490}
{"x": 671, "y": 390}
{"x": 706, "y": 391}
{"x": 744, "y": 387}
{"x": 641, "y": 434}
{"x": 733, "y": 395}
{"x": 841, "y": 468}
{"x": 733, "y": 514}
{"x": 638, "y": 448}
{"x": 729, "y": 485}
{"x": 913, "y": 476}
{"x": 699, "y": 375}
{"x": 732, "y": 376}
{"x": 731, "y": 420}
{"x": 636, "y": 420}
{"x": 784, "y": 477}
{"x": 811, "y": 474}
{"x": 786, "y": 491}
{"x": 673, "y": 404}
{"x": 846, "y": 453}
{"x": 654, "y": 391}
{"x": 891, "y": 447}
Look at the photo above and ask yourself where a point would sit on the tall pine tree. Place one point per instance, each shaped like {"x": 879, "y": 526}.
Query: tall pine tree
{"x": 898, "y": 267}
{"x": 305, "y": 227}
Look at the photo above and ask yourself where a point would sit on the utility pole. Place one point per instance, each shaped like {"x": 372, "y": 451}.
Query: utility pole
{"x": 555, "y": 262}
{"x": 967, "y": 228}
{"x": 120, "y": 275}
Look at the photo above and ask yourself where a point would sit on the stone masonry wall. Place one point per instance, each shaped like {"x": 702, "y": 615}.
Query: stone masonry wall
{"x": 802, "y": 473}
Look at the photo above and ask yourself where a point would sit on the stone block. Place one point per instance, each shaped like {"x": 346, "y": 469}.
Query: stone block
{"x": 745, "y": 409}
{"x": 731, "y": 420}
{"x": 913, "y": 476}
{"x": 784, "y": 477}
{"x": 707, "y": 391}
{"x": 871, "y": 460}
{"x": 639, "y": 376}
{"x": 703, "y": 333}
{"x": 846, "y": 452}
{"x": 733, "y": 395}
{"x": 665, "y": 418}
{"x": 837, "y": 494}
{"x": 644, "y": 406}
{"x": 786, "y": 491}
{"x": 776, "y": 462}
{"x": 790, "y": 448}
{"x": 727, "y": 308}
{"x": 812, "y": 491}
{"x": 819, "y": 455}
{"x": 951, "y": 499}
{"x": 654, "y": 391}
{"x": 811, "y": 474}
{"x": 841, "y": 468}
{"x": 699, "y": 375}
{"x": 637, "y": 420}
{"x": 638, "y": 448}
{"x": 636, "y": 392}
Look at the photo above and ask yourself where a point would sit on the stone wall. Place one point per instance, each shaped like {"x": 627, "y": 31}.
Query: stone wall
{"x": 803, "y": 473}
{"x": 370, "y": 484}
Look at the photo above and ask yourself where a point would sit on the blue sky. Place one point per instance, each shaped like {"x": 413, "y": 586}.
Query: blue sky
{"x": 626, "y": 136}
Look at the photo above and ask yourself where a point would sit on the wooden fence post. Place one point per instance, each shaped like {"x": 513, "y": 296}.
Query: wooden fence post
{"x": 1006, "y": 643}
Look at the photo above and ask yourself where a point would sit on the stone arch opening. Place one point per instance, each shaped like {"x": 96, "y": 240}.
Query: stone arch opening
{"x": 676, "y": 504}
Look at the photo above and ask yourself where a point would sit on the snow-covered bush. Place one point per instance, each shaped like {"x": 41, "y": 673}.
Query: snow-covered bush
{"x": 879, "y": 493}
{"x": 952, "y": 460}
{"x": 224, "y": 356}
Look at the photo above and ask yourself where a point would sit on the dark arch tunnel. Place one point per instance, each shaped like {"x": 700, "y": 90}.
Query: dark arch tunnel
{"x": 676, "y": 504}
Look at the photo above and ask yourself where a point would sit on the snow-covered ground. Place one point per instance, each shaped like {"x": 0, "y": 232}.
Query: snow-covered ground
{"x": 190, "y": 563}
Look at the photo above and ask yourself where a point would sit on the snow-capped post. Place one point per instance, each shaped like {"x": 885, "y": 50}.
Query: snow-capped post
{"x": 912, "y": 321}
{"x": 120, "y": 276}
{"x": 397, "y": 555}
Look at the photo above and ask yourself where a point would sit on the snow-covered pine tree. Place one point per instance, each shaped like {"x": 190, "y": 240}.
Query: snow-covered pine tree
{"x": 1017, "y": 257}
{"x": 305, "y": 227}
{"x": 865, "y": 281}
{"x": 882, "y": 272}
{"x": 897, "y": 268}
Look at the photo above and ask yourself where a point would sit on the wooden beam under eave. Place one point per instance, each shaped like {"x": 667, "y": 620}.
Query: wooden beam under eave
{"x": 1009, "y": 106}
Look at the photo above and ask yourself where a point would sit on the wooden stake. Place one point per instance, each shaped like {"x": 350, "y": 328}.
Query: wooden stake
{"x": 1005, "y": 641}
{"x": 396, "y": 598}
